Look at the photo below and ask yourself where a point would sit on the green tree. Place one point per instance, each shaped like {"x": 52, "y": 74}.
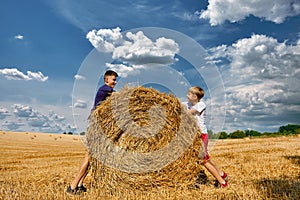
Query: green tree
{"x": 252, "y": 133}
{"x": 223, "y": 135}
{"x": 237, "y": 134}
{"x": 212, "y": 135}
{"x": 82, "y": 133}
{"x": 290, "y": 128}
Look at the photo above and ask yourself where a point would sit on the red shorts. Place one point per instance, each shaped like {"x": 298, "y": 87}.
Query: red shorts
{"x": 204, "y": 138}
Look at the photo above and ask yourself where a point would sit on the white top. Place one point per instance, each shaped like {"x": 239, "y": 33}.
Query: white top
{"x": 201, "y": 114}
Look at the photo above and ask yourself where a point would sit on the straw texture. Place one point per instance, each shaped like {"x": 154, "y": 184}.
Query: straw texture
{"x": 140, "y": 138}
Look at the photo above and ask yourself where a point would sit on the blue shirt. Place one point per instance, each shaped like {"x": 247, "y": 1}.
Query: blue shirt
{"x": 103, "y": 92}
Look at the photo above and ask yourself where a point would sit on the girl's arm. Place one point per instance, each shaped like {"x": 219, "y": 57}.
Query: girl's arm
{"x": 193, "y": 111}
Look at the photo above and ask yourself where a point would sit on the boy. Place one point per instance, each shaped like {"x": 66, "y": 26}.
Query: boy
{"x": 110, "y": 80}
{"x": 197, "y": 107}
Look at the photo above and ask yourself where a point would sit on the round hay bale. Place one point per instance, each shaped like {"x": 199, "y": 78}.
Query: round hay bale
{"x": 140, "y": 138}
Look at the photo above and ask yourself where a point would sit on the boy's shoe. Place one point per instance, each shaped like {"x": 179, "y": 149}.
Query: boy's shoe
{"x": 225, "y": 176}
{"x": 72, "y": 191}
{"x": 220, "y": 185}
{"x": 201, "y": 178}
{"x": 81, "y": 188}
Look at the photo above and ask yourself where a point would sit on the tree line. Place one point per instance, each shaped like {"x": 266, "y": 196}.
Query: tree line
{"x": 290, "y": 129}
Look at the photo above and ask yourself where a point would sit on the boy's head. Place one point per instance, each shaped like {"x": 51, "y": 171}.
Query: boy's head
{"x": 110, "y": 78}
{"x": 197, "y": 92}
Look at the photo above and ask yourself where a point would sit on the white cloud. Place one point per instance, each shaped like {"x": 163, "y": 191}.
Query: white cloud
{"x": 19, "y": 37}
{"x": 34, "y": 120}
{"x": 23, "y": 111}
{"x": 123, "y": 70}
{"x": 79, "y": 77}
{"x": 276, "y": 11}
{"x": 13, "y": 125}
{"x": 105, "y": 40}
{"x": 4, "y": 113}
{"x": 264, "y": 57}
{"x": 15, "y": 74}
{"x": 135, "y": 50}
{"x": 80, "y": 104}
{"x": 38, "y": 76}
{"x": 55, "y": 117}
{"x": 140, "y": 50}
{"x": 261, "y": 75}
{"x": 38, "y": 121}
{"x": 186, "y": 16}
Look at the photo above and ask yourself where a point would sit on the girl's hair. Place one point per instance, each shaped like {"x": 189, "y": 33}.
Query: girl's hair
{"x": 198, "y": 91}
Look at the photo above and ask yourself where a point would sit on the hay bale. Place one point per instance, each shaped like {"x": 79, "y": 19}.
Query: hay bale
{"x": 140, "y": 138}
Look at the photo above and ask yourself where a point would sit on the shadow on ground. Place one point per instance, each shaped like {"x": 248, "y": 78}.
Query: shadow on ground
{"x": 280, "y": 189}
{"x": 294, "y": 159}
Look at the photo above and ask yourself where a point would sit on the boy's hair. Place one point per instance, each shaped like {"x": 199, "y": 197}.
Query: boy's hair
{"x": 198, "y": 91}
{"x": 110, "y": 73}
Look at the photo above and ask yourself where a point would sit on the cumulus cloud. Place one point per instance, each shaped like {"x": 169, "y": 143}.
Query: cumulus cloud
{"x": 37, "y": 121}
{"x": 134, "y": 51}
{"x": 19, "y": 37}
{"x": 15, "y": 74}
{"x": 142, "y": 51}
{"x": 13, "y": 125}
{"x": 276, "y": 11}
{"x": 56, "y": 117}
{"x": 80, "y": 104}
{"x": 79, "y": 77}
{"x": 4, "y": 113}
{"x": 261, "y": 79}
{"x": 33, "y": 117}
{"x": 105, "y": 40}
{"x": 23, "y": 110}
{"x": 123, "y": 70}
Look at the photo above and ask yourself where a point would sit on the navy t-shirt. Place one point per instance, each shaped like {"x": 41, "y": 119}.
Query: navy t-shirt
{"x": 103, "y": 92}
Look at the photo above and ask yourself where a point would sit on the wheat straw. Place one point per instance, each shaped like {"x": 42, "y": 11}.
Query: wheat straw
{"x": 139, "y": 122}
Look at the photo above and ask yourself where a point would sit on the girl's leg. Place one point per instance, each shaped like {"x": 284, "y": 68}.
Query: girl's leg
{"x": 210, "y": 167}
{"x": 216, "y": 167}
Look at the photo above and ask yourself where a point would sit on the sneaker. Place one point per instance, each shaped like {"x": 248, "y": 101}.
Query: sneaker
{"x": 220, "y": 185}
{"x": 72, "y": 191}
{"x": 225, "y": 177}
{"x": 81, "y": 188}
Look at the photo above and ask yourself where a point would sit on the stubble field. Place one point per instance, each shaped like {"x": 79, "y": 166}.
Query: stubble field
{"x": 41, "y": 166}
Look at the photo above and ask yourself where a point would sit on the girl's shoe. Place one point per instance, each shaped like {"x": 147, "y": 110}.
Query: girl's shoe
{"x": 225, "y": 176}
{"x": 220, "y": 185}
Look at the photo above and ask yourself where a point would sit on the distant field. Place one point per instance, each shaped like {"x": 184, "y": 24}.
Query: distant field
{"x": 41, "y": 166}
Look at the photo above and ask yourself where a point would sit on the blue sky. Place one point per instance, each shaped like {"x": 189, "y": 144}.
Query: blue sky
{"x": 52, "y": 55}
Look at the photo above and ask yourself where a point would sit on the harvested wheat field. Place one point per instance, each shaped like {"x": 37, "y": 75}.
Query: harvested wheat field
{"x": 40, "y": 166}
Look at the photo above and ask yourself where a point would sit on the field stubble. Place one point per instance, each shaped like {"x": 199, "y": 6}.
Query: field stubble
{"x": 41, "y": 166}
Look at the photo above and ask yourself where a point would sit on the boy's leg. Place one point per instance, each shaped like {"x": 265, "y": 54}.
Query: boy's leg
{"x": 83, "y": 177}
{"x": 82, "y": 172}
